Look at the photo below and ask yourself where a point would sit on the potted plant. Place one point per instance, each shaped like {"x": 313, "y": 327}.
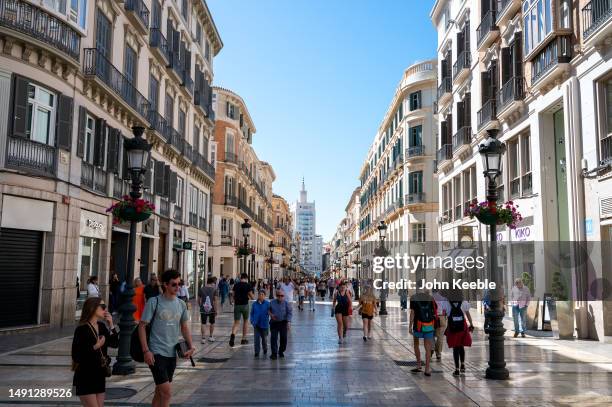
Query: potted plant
{"x": 499, "y": 214}
{"x": 243, "y": 251}
{"x": 129, "y": 209}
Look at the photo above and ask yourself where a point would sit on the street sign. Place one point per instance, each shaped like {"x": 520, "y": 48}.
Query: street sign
{"x": 187, "y": 245}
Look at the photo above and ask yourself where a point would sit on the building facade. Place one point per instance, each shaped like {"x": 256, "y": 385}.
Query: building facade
{"x": 73, "y": 80}
{"x": 305, "y": 218}
{"x": 243, "y": 190}
{"x": 283, "y": 236}
{"x": 397, "y": 177}
{"x": 534, "y": 73}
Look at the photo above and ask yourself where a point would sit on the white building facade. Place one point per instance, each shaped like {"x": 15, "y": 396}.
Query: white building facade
{"x": 305, "y": 218}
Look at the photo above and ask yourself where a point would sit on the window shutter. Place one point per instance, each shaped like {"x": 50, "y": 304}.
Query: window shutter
{"x": 187, "y": 61}
{"x": 169, "y": 36}
{"x": 449, "y": 129}
{"x": 443, "y": 133}
{"x": 197, "y": 94}
{"x": 158, "y": 181}
{"x": 80, "y": 151}
{"x": 114, "y": 143}
{"x": 20, "y": 106}
{"x": 518, "y": 55}
{"x": 166, "y": 189}
{"x": 418, "y": 100}
{"x": 467, "y": 109}
{"x": 485, "y": 86}
{"x": 228, "y": 109}
{"x": 124, "y": 163}
{"x": 460, "y": 114}
{"x": 506, "y": 65}
{"x": 100, "y": 143}
{"x": 494, "y": 77}
{"x": 173, "y": 185}
{"x": 64, "y": 122}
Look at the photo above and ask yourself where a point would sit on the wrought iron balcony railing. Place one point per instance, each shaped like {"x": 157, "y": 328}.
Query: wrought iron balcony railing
{"x": 158, "y": 123}
{"x": 512, "y": 90}
{"x": 415, "y": 151}
{"x": 175, "y": 139}
{"x": 464, "y": 60}
{"x": 164, "y": 207}
{"x": 444, "y": 153}
{"x": 446, "y": 86}
{"x": 415, "y": 197}
{"x": 487, "y": 24}
{"x": 230, "y": 200}
{"x": 31, "y": 156}
{"x": 463, "y": 137}
{"x": 139, "y": 9}
{"x": 96, "y": 64}
{"x": 157, "y": 40}
{"x": 231, "y": 157}
{"x": 202, "y": 163}
{"x": 558, "y": 51}
{"x": 595, "y": 14}
{"x": 120, "y": 187}
{"x": 186, "y": 81}
{"x": 605, "y": 151}
{"x": 40, "y": 25}
{"x": 93, "y": 177}
{"x": 178, "y": 214}
{"x": 487, "y": 113}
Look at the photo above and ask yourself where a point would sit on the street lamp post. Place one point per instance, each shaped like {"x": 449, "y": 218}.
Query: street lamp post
{"x": 382, "y": 234}
{"x": 491, "y": 151}
{"x": 138, "y": 153}
{"x": 271, "y": 247}
{"x": 246, "y": 232}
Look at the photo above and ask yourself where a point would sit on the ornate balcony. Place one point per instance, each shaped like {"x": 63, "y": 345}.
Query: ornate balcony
{"x": 415, "y": 198}
{"x": 444, "y": 153}
{"x": 186, "y": 81}
{"x": 510, "y": 97}
{"x": 30, "y": 156}
{"x": 596, "y": 20}
{"x": 461, "y": 67}
{"x": 159, "y": 45}
{"x": 93, "y": 178}
{"x": 551, "y": 62}
{"x": 175, "y": 139}
{"x": 96, "y": 65}
{"x": 230, "y": 200}
{"x": 138, "y": 13}
{"x": 462, "y": 138}
{"x": 202, "y": 164}
{"x": 506, "y": 9}
{"x": 158, "y": 123}
{"x": 487, "y": 31}
{"x": 605, "y": 152}
{"x": 164, "y": 207}
{"x": 487, "y": 116}
{"x": 120, "y": 187}
{"x": 444, "y": 90}
{"x": 34, "y": 24}
{"x": 231, "y": 158}
{"x": 413, "y": 152}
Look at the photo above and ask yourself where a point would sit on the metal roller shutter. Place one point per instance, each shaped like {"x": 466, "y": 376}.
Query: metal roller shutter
{"x": 20, "y": 263}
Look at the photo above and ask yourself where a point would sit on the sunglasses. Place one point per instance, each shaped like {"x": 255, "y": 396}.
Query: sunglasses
{"x": 174, "y": 285}
{"x": 280, "y": 295}
{"x": 103, "y": 306}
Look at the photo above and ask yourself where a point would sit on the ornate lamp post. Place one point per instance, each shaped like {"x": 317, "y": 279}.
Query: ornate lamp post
{"x": 246, "y": 232}
{"x": 138, "y": 154}
{"x": 271, "y": 261}
{"x": 382, "y": 235}
{"x": 491, "y": 151}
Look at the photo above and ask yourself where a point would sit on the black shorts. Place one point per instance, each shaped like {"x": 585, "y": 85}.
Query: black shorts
{"x": 364, "y": 316}
{"x": 209, "y": 317}
{"x": 342, "y": 310}
{"x": 163, "y": 369}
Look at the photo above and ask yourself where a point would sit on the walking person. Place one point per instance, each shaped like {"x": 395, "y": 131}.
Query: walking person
{"x": 183, "y": 293}
{"x": 367, "y": 309}
{"x": 93, "y": 290}
{"x": 260, "y": 319}
{"x": 301, "y": 295}
{"x": 242, "y": 293}
{"x": 208, "y": 298}
{"x": 223, "y": 290}
{"x": 152, "y": 289}
{"x": 458, "y": 334}
{"x": 169, "y": 319}
{"x": 340, "y": 307}
{"x": 114, "y": 285}
{"x": 356, "y": 288}
{"x": 280, "y": 323}
{"x": 322, "y": 289}
{"x": 422, "y": 326}
{"x": 288, "y": 289}
{"x": 403, "y": 294}
{"x": 90, "y": 360}
{"x": 331, "y": 286}
{"x": 311, "y": 293}
{"x": 519, "y": 297}
{"x": 139, "y": 298}
{"x": 441, "y": 308}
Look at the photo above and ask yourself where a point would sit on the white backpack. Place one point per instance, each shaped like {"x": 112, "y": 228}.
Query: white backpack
{"x": 207, "y": 305}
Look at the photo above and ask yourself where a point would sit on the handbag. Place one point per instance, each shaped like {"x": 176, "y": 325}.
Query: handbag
{"x": 105, "y": 360}
{"x": 135, "y": 346}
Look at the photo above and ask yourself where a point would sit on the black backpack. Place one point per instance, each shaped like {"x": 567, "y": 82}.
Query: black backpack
{"x": 456, "y": 319}
{"x": 135, "y": 347}
{"x": 426, "y": 311}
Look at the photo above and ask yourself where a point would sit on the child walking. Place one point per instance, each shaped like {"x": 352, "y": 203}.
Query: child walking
{"x": 261, "y": 322}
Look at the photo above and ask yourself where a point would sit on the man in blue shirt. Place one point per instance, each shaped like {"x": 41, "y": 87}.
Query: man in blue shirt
{"x": 260, "y": 320}
{"x": 280, "y": 323}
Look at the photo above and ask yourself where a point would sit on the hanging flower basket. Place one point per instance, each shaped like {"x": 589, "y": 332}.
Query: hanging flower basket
{"x": 131, "y": 210}
{"x": 243, "y": 251}
{"x": 503, "y": 214}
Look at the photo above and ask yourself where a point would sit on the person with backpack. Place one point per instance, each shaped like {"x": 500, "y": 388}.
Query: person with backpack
{"x": 261, "y": 322}
{"x": 441, "y": 326}
{"x": 169, "y": 319}
{"x": 367, "y": 309}
{"x": 423, "y": 326}
{"x": 340, "y": 309}
{"x": 207, "y": 300}
{"x": 458, "y": 334}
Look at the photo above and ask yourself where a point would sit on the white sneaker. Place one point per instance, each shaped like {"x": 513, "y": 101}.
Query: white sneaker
{"x": 203, "y": 340}
{"x": 211, "y": 339}
{"x": 369, "y": 336}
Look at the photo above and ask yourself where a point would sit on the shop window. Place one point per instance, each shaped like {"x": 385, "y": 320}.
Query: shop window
{"x": 89, "y": 259}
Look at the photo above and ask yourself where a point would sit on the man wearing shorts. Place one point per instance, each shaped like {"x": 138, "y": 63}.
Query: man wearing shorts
{"x": 169, "y": 318}
{"x": 243, "y": 292}
{"x": 208, "y": 300}
{"x": 423, "y": 325}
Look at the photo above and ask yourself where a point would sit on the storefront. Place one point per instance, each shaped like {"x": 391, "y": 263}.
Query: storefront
{"x": 92, "y": 234}
{"x": 22, "y": 231}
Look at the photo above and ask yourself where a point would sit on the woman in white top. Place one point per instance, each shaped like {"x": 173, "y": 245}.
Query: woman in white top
{"x": 92, "y": 287}
{"x": 183, "y": 292}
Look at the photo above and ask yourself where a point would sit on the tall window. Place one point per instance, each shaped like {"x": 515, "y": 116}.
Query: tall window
{"x": 519, "y": 166}
{"x": 179, "y": 192}
{"x": 415, "y": 136}
{"x": 40, "y": 121}
{"x": 182, "y": 123}
{"x": 415, "y": 182}
{"x": 537, "y": 23}
{"x": 169, "y": 110}
{"x": 229, "y": 143}
{"x": 74, "y": 10}
{"x": 418, "y": 232}
{"x": 88, "y": 147}
{"x": 415, "y": 100}
{"x": 457, "y": 197}
{"x": 130, "y": 64}
{"x": 153, "y": 92}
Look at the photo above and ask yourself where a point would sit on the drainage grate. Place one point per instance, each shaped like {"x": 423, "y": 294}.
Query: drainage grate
{"x": 114, "y": 393}
{"x": 213, "y": 360}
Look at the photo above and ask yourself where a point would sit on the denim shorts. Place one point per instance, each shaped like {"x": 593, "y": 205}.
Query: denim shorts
{"x": 424, "y": 335}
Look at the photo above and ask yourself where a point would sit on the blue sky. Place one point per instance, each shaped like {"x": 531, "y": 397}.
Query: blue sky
{"x": 318, "y": 77}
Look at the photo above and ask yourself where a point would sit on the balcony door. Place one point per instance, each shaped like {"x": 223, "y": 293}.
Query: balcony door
{"x": 104, "y": 32}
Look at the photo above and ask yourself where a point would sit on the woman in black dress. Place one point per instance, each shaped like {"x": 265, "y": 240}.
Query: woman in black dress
{"x": 89, "y": 352}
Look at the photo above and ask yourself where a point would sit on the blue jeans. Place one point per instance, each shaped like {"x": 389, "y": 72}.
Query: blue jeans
{"x": 519, "y": 313}
{"x": 261, "y": 334}
{"x": 311, "y": 301}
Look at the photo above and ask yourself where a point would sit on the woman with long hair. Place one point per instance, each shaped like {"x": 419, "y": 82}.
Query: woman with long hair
{"x": 458, "y": 334}
{"x": 367, "y": 309}
{"x": 92, "y": 287}
{"x": 340, "y": 305}
{"x": 90, "y": 360}
{"x": 139, "y": 298}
